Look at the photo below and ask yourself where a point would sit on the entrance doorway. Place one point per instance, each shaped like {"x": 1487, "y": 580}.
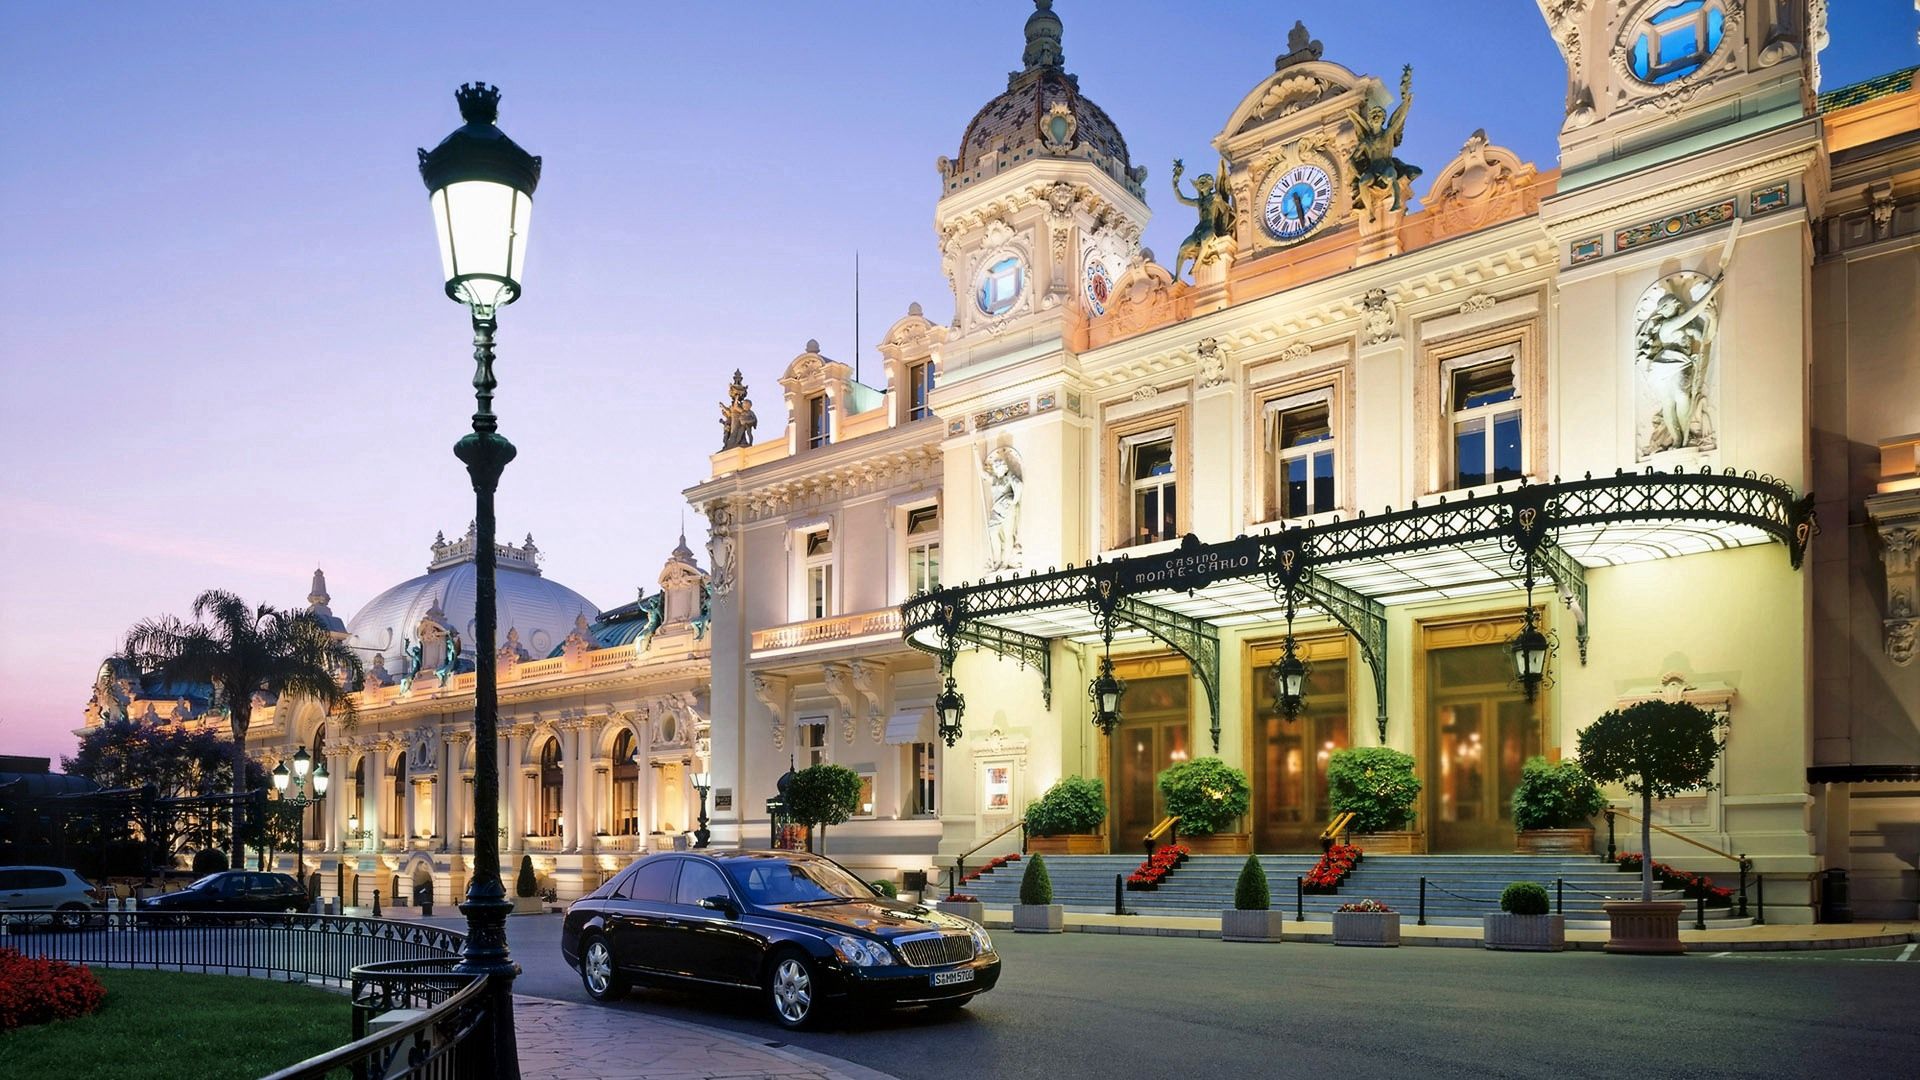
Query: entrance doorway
{"x": 1290, "y": 757}
{"x": 1479, "y": 731}
{"x": 1153, "y": 734}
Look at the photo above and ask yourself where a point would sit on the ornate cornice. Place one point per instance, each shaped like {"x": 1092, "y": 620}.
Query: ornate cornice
{"x": 1720, "y": 182}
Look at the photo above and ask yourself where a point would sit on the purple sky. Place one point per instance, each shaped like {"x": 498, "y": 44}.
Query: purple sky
{"x": 225, "y": 353}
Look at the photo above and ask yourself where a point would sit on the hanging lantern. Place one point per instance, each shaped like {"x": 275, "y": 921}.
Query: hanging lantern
{"x": 951, "y": 705}
{"x": 1289, "y": 677}
{"x": 1529, "y": 649}
{"x": 1105, "y": 692}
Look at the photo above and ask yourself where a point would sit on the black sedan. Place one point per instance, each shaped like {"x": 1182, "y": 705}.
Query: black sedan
{"x": 796, "y": 928}
{"x": 233, "y": 891}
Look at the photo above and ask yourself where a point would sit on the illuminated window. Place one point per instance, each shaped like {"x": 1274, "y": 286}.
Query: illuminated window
{"x": 819, "y": 429}
{"x": 1301, "y": 455}
{"x": 923, "y": 549}
{"x": 924, "y": 776}
{"x": 1147, "y": 463}
{"x": 1486, "y": 424}
{"x": 1676, "y": 40}
{"x": 919, "y": 388}
{"x": 865, "y": 806}
{"x": 813, "y": 740}
{"x": 819, "y": 575}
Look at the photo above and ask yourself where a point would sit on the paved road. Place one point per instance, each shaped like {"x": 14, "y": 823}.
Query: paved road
{"x": 1096, "y": 1005}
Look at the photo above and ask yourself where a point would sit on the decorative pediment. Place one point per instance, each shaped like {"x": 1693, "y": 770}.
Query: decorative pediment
{"x": 1303, "y": 94}
{"x": 1483, "y": 185}
{"x": 810, "y": 370}
{"x": 913, "y": 335}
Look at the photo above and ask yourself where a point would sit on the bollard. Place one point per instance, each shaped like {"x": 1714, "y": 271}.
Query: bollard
{"x": 1559, "y": 896}
{"x": 1119, "y": 894}
{"x": 1610, "y": 852}
{"x": 1759, "y": 900}
{"x": 1746, "y": 867}
{"x": 1700, "y": 910}
{"x": 1423, "y": 903}
{"x": 376, "y": 903}
{"x": 1299, "y": 899}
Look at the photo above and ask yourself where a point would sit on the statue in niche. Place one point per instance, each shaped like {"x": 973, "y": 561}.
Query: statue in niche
{"x": 737, "y": 420}
{"x": 1675, "y": 324}
{"x": 1377, "y": 174}
{"x": 1217, "y": 215}
{"x": 1004, "y": 488}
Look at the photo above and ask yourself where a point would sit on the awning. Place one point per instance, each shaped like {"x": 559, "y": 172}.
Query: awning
{"x": 1863, "y": 774}
{"x": 910, "y": 726}
{"x": 819, "y": 720}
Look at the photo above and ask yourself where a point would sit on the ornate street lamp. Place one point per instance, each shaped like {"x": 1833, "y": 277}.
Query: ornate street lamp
{"x": 703, "y": 783}
{"x": 480, "y": 186}
{"x": 1530, "y": 649}
{"x": 951, "y": 705}
{"x": 1105, "y": 692}
{"x": 296, "y": 780}
{"x": 1289, "y": 674}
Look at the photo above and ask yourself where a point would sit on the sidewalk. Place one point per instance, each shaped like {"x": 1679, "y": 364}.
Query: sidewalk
{"x": 1773, "y": 937}
{"x": 565, "y": 1040}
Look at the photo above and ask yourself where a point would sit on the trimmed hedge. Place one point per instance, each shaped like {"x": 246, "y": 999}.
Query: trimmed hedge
{"x": 1074, "y": 805}
{"x": 1525, "y": 898}
{"x": 1250, "y": 892}
{"x": 1035, "y": 886}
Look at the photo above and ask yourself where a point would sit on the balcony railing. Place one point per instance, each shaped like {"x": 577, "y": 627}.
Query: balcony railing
{"x": 812, "y": 632}
{"x": 542, "y": 843}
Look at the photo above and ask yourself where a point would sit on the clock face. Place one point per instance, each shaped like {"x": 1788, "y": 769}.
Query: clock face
{"x": 1298, "y": 202}
{"x": 1099, "y": 285}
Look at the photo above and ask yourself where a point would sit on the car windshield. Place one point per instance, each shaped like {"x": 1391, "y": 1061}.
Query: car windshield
{"x": 208, "y": 881}
{"x": 794, "y": 881}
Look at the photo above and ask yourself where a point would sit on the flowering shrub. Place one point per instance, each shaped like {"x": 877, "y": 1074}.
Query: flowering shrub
{"x": 1161, "y": 863}
{"x": 34, "y": 990}
{"x": 1372, "y": 906}
{"x": 1690, "y": 884}
{"x": 1332, "y": 869}
{"x": 961, "y": 898}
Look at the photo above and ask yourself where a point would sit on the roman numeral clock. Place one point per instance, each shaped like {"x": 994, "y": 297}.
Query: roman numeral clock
{"x": 1298, "y": 200}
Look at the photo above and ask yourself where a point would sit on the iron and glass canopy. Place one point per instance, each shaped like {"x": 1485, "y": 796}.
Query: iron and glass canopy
{"x": 1352, "y": 570}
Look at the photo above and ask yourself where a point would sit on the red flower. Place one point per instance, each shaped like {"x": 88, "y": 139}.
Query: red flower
{"x": 35, "y": 990}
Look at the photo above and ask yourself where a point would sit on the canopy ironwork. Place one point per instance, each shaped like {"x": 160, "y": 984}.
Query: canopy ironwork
{"x": 1352, "y": 570}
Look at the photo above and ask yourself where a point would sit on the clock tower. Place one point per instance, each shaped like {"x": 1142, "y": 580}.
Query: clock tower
{"x": 1039, "y": 213}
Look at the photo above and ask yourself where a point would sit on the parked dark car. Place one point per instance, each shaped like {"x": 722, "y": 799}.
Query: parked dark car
{"x": 801, "y": 930}
{"x": 235, "y": 891}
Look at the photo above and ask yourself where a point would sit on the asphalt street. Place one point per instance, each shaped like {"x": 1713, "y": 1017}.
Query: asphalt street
{"x": 1095, "y": 1005}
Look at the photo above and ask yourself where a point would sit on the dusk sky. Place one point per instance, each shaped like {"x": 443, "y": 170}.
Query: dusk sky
{"x": 227, "y": 358}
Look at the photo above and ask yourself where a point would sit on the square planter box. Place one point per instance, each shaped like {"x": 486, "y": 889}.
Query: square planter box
{"x": 528, "y": 905}
{"x": 1220, "y": 844}
{"x": 1039, "y": 918}
{"x": 1526, "y": 933}
{"x": 1251, "y": 925}
{"x": 1390, "y": 843}
{"x": 1553, "y": 842}
{"x": 1647, "y": 928}
{"x": 1375, "y": 928}
{"x": 1068, "y": 844}
{"x": 974, "y": 910}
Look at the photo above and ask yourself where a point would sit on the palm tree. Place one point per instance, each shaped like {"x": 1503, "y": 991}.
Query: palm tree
{"x": 240, "y": 651}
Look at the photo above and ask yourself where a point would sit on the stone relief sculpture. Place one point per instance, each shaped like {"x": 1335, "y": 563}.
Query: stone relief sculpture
{"x": 1217, "y": 216}
{"x": 1378, "y": 176}
{"x": 720, "y": 547}
{"x": 1563, "y": 22}
{"x": 1675, "y": 325}
{"x": 1004, "y": 485}
{"x": 737, "y": 420}
{"x": 1212, "y": 354}
{"x": 1378, "y": 313}
{"x": 1484, "y": 184}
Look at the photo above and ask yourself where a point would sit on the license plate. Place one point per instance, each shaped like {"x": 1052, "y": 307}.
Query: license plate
{"x": 953, "y": 978}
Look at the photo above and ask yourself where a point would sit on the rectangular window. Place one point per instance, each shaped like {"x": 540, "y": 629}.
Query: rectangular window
{"x": 819, "y": 430}
{"x": 819, "y": 571}
{"x": 1302, "y": 456}
{"x": 924, "y": 776}
{"x": 1485, "y": 419}
{"x": 919, "y": 389}
{"x": 813, "y": 740}
{"x": 1148, "y": 466}
{"x": 866, "y": 795}
{"x": 923, "y": 549}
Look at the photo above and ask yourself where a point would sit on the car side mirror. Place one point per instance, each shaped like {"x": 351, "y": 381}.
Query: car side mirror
{"x": 721, "y": 904}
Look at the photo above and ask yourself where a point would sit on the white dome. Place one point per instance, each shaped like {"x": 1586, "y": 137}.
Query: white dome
{"x": 543, "y": 611}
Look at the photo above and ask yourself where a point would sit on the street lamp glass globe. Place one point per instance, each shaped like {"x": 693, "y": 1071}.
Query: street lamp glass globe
{"x": 703, "y": 780}
{"x": 321, "y": 780}
{"x": 280, "y": 777}
{"x": 481, "y": 187}
{"x": 301, "y": 762}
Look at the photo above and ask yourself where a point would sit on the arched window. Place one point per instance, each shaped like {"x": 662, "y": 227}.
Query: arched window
{"x": 1673, "y": 42}
{"x": 551, "y": 783}
{"x": 626, "y": 786}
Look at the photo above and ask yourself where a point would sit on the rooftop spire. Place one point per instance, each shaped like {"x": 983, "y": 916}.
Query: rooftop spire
{"x": 1043, "y": 38}
{"x": 318, "y": 594}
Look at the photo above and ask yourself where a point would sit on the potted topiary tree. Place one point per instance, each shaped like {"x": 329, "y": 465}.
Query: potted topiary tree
{"x": 1656, "y": 750}
{"x": 1524, "y": 922}
{"x": 1366, "y": 922}
{"x": 1209, "y": 796}
{"x": 1066, "y": 820}
{"x": 1376, "y": 784}
{"x": 1250, "y": 918}
{"x": 1553, "y": 809}
{"x": 526, "y": 889}
{"x": 823, "y": 795}
{"x": 1036, "y": 913}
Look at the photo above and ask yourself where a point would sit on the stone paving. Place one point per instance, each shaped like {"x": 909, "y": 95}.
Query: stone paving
{"x": 564, "y": 1040}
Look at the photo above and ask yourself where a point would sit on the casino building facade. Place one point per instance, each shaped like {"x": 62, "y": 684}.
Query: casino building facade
{"x": 1658, "y": 402}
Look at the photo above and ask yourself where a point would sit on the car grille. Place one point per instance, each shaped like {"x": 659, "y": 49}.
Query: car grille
{"x": 934, "y": 951}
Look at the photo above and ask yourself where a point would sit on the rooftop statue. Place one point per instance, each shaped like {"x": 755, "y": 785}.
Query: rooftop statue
{"x": 1377, "y": 174}
{"x": 1216, "y": 208}
{"x": 736, "y": 415}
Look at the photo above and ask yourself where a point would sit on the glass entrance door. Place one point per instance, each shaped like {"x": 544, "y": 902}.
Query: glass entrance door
{"x": 1480, "y": 731}
{"x": 1152, "y": 735}
{"x": 1290, "y": 759}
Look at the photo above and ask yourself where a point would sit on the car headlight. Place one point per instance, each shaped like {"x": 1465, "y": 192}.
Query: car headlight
{"x": 860, "y": 952}
{"x": 982, "y": 944}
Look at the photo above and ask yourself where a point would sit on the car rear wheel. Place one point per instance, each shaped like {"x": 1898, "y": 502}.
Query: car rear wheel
{"x": 598, "y": 972}
{"x": 793, "y": 991}
{"x": 70, "y": 917}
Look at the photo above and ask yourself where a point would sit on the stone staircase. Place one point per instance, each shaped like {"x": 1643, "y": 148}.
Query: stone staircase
{"x": 1460, "y": 888}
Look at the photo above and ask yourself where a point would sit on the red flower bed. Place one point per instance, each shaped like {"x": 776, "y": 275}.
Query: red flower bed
{"x": 1149, "y": 874}
{"x": 35, "y": 991}
{"x": 961, "y": 898}
{"x": 1691, "y": 885}
{"x": 1331, "y": 870}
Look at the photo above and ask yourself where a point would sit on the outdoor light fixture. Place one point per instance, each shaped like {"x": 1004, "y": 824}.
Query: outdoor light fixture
{"x": 1105, "y": 692}
{"x": 951, "y": 705}
{"x": 480, "y": 186}
{"x": 280, "y": 777}
{"x": 321, "y": 780}
{"x": 296, "y": 780}
{"x": 301, "y": 762}
{"x": 1530, "y": 649}
{"x": 353, "y": 824}
{"x": 703, "y": 783}
{"x": 482, "y": 191}
{"x": 1289, "y": 677}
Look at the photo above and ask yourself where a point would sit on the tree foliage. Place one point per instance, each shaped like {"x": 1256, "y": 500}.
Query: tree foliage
{"x": 1074, "y": 805}
{"x": 1656, "y": 750}
{"x": 1376, "y": 784}
{"x": 1207, "y": 794}
{"x": 824, "y": 794}
{"x": 1525, "y": 898}
{"x": 525, "y": 884}
{"x": 1555, "y": 796}
{"x": 177, "y": 760}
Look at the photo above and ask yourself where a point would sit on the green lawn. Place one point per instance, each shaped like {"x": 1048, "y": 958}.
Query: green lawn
{"x": 157, "y": 1025}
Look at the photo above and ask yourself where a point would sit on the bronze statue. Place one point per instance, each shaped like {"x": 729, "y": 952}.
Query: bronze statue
{"x": 1376, "y": 171}
{"x": 736, "y": 416}
{"x": 1216, "y": 208}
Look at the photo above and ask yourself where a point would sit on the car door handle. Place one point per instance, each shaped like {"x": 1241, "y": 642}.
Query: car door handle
{"x": 672, "y": 922}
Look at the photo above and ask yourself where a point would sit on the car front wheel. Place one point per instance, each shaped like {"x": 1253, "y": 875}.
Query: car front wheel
{"x": 793, "y": 991}
{"x": 597, "y": 971}
{"x": 70, "y": 916}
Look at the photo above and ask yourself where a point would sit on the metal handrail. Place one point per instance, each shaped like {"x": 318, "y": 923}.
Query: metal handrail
{"x": 1338, "y": 825}
{"x": 960, "y": 863}
{"x": 1745, "y": 864}
{"x": 1169, "y": 828}
{"x": 443, "y": 1042}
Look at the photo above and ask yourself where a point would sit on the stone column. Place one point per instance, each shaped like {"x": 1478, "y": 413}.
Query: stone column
{"x": 509, "y": 786}
{"x": 447, "y": 797}
{"x": 373, "y": 809}
{"x": 569, "y": 786}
